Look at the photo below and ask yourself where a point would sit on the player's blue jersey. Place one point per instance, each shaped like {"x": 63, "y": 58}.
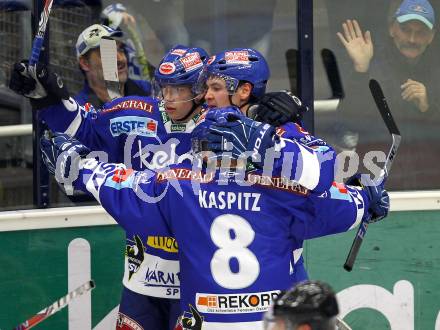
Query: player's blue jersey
{"x": 138, "y": 132}
{"x": 126, "y": 129}
{"x": 235, "y": 235}
{"x": 310, "y": 155}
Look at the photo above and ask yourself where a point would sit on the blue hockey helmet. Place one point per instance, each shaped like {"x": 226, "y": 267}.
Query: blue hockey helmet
{"x": 241, "y": 64}
{"x": 182, "y": 66}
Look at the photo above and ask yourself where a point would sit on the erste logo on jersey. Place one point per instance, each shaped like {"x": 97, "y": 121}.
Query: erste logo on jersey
{"x": 142, "y": 126}
{"x": 339, "y": 191}
{"x": 167, "y": 68}
{"x": 237, "y": 57}
{"x": 235, "y": 303}
{"x": 191, "y": 61}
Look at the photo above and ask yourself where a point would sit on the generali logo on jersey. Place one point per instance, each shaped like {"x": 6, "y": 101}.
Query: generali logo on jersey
{"x": 235, "y": 303}
{"x": 131, "y": 104}
{"x": 191, "y": 61}
{"x": 237, "y": 57}
{"x": 185, "y": 174}
{"x": 277, "y": 183}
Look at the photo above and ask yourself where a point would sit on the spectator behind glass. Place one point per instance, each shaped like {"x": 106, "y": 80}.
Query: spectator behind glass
{"x": 405, "y": 67}
{"x": 89, "y": 59}
{"x": 117, "y": 17}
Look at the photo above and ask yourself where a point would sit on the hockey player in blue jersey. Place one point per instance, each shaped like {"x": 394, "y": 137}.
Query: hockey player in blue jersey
{"x": 235, "y": 233}
{"x": 230, "y": 81}
{"x": 94, "y": 91}
{"x": 109, "y": 129}
{"x": 238, "y": 77}
{"x": 144, "y": 133}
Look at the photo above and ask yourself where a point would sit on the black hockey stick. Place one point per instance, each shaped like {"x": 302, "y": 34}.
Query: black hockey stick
{"x": 385, "y": 112}
{"x": 291, "y": 56}
{"x": 331, "y": 69}
{"x": 330, "y": 66}
{"x": 56, "y": 306}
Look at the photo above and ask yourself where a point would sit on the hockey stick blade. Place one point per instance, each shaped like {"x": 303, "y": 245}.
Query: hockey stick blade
{"x": 382, "y": 105}
{"x": 109, "y": 63}
{"x": 332, "y": 71}
{"x": 56, "y": 306}
{"x": 391, "y": 125}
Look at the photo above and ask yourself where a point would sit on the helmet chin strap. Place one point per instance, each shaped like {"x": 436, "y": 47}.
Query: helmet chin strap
{"x": 195, "y": 105}
{"x": 235, "y": 105}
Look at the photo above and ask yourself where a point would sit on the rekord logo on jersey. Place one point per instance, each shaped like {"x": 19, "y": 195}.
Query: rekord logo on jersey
{"x": 191, "y": 61}
{"x": 133, "y": 124}
{"x": 237, "y": 57}
{"x": 135, "y": 255}
{"x": 235, "y": 303}
{"x": 190, "y": 320}
{"x": 167, "y": 68}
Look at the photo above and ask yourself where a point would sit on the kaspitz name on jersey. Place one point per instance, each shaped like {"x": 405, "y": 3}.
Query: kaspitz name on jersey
{"x": 229, "y": 200}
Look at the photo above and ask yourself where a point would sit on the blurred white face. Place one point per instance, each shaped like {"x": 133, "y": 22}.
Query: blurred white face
{"x": 179, "y": 100}
{"x": 411, "y": 38}
{"x": 91, "y": 64}
{"x": 217, "y": 96}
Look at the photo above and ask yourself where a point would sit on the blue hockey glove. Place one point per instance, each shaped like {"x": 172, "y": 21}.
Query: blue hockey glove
{"x": 61, "y": 154}
{"x": 378, "y": 196}
{"x": 231, "y": 131}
